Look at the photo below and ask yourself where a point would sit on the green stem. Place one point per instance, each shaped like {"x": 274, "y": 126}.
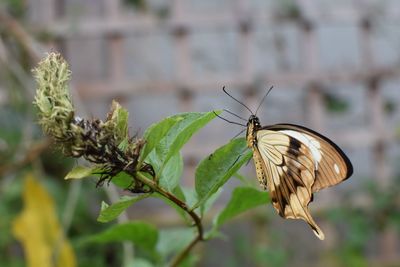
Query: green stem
{"x": 196, "y": 219}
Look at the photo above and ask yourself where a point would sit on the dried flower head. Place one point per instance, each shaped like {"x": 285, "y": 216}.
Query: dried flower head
{"x": 105, "y": 143}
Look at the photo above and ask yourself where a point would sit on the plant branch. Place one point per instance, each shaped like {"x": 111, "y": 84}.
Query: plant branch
{"x": 182, "y": 255}
{"x": 196, "y": 219}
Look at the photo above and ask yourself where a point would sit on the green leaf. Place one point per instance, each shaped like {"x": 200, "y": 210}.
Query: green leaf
{"x": 245, "y": 181}
{"x": 155, "y": 133}
{"x": 111, "y": 212}
{"x": 172, "y": 173}
{"x": 141, "y": 234}
{"x": 124, "y": 144}
{"x": 178, "y": 192}
{"x": 80, "y": 172}
{"x": 243, "y": 199}
{"x": 166, "y": 138}
{"x": 173, "y": 240}
{"x": 117, "y": 121}
{"x": 122, "y": 180}
{"x": 183, "y": 130}
{"x": 215, "y": 170}
{"x": 210, "y": 202}
{"x": 122, "y": 122}
{"x": 191, "y": 199}
{"x": 190, "y": 196}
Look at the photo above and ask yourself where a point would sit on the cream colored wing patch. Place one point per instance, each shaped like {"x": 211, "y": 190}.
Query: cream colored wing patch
{"x": 289, "y": 169}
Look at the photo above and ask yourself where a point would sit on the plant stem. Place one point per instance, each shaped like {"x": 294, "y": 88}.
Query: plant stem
{"x": 183, "y": 206}
{"x": 182, "y": 255}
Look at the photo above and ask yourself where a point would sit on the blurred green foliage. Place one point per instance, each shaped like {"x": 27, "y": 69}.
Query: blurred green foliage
{"x": 11, "y": 122}
{"x": 390, "y": 106}
{"x": 137, "y": 4}
{"x": 287, "y": 9}
{"x": 335, "y": 104}
{"x": 16, "y": 8}
{"x": 362, "y": 224}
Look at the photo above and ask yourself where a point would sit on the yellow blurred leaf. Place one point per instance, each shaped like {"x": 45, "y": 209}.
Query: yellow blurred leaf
{"x": 39, "y": 231}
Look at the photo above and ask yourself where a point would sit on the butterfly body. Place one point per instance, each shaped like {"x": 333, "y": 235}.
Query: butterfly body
{"x": 253, "y": 125}
{"x": 292, "y": 162}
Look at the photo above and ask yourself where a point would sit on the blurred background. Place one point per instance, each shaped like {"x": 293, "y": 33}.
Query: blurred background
{"x": 335, "y": 68}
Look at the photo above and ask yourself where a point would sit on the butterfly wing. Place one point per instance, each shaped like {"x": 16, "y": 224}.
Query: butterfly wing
{"x": 331, "y": 164}
{"x": 286, "y": 166}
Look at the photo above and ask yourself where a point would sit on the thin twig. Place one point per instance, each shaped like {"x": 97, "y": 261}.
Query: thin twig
{"x": 196, "y": 219}
{"x": 177, "y": 201}
{"x": 181, "y": 256}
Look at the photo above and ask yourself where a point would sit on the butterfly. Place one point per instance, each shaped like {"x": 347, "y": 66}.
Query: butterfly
{"x": 293, "y": 162}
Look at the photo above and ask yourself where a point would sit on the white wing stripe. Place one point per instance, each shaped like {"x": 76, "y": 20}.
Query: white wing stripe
{"x": 310, "y": 142}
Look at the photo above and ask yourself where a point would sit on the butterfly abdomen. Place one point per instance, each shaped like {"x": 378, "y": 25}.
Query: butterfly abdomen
{"x": 260, "y": 170}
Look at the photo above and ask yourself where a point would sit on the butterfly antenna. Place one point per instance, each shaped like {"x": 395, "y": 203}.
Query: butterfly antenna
{"x": 223, "y": 89}
{"x": 262, "y": 100}
{"x": 233, "y": 122}
{"x": 236, "y": 135}
{"x": 237, "y": 116}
